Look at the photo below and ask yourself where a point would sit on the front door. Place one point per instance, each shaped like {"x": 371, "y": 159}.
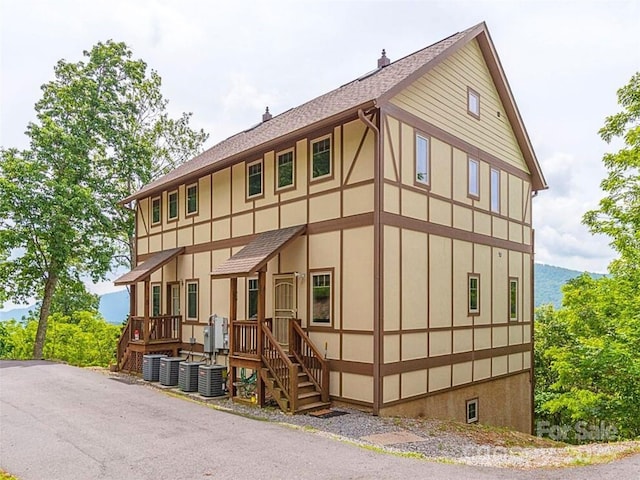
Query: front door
{"x": 174, "y": 299}
{"x": 284, "y": 306}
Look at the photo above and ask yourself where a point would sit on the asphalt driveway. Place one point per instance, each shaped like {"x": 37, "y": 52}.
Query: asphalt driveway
{"x": 62, "y": 422}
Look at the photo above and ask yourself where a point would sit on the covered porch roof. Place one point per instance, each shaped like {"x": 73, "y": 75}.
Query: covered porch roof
{"x": 255, "y": 255}
{"x": 145, "y": 269}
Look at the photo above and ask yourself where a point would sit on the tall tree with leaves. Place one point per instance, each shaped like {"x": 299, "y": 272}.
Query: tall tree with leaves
{"x": 102, "y": 131}
{"x": 618, "y": 215}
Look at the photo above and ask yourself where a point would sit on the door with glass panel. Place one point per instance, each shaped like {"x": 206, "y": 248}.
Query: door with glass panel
{"x": 284, "y": 306}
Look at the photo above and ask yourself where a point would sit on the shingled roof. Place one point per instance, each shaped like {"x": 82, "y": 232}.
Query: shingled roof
{"x": 363, "y": 92}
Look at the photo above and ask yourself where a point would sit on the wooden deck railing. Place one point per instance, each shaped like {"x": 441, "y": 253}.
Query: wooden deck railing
{"x": 283, "y": 370}
{"x": 311, "y": 360}
{"x": 164, "y": 327}
{"x": 245, "y": 338}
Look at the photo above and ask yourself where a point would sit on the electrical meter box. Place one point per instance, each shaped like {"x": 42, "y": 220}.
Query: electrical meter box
{"x": 216, "y": 335}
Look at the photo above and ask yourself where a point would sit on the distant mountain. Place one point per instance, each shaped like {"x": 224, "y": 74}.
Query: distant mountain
{"x": 114, "y": 308}
{"x": 549, "y": 280}
{"x": 548, "y": 283}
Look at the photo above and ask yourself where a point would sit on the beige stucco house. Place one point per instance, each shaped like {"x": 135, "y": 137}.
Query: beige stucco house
{"x": 372, "y": 246}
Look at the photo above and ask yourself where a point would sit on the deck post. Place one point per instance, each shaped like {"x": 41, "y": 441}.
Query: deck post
{"x": 146, "y": 334}
{"x": 262, "y": 284}
{"x": 132, "y": 300}
{"x": 233, "y": 314}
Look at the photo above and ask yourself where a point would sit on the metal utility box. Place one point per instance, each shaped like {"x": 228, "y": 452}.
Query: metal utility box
{"x": 188, "y": 376}
{"x": 221, "y": 333}
{"x": 211, "y": 380}
{"x": 169, "y": 369}
{"x": 209, "y": 339}
{"x": 151, "y": 367}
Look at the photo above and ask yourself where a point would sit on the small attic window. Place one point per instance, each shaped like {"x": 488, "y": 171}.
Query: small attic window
{"x": 473, "y": 103}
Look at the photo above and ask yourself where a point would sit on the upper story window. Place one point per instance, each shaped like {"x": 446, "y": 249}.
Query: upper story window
{"x": 192, "y": 300}
{"x": 495, "y": 190}
{"x": 513, "y": 299}
{"x": 285, "y": 170}
{"x": 321, "y": 298}
{"x": 473, "y": 103}
{"x": 474, "y": 294}
{"x": 156, "y": 210}
{"x": 254, "y": 179}
{"x": 422, "y": 160}
{"x": 172, "y": 211}
{"x": 192, "y": 199}
{"x": 321, "y": 158}
{"x": 474, "y": 178}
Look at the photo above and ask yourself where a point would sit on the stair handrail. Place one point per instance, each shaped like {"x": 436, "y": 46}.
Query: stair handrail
{"x": 300, "y": 341}
{"x": 123, "y": 342}
{"x": 287, "y": 381}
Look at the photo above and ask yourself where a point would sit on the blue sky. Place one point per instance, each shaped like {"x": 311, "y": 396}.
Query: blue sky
{"x": 225, "y": 61}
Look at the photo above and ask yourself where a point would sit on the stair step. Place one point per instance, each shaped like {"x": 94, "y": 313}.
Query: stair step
{"x": 310, "y": 407}
{"x": 305, "y": 387}
{"x": 309, "y": 397}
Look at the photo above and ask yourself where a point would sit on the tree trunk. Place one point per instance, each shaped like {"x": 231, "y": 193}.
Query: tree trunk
{"x": 41, "y": 334}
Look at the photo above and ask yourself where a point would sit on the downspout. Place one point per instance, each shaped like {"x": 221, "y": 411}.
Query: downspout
{"x": 377, "y": 264}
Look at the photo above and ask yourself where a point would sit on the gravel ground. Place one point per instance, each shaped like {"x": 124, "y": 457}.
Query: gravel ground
{"x": 443, "y": 441}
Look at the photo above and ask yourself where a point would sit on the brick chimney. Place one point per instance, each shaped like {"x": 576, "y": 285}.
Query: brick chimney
{"x": 266, "y": 116}
{"x": 383, "y": 61}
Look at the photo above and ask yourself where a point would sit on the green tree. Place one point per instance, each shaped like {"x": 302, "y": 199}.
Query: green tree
{"x": 618, "y": 215}
{"x": 102, "y": 130}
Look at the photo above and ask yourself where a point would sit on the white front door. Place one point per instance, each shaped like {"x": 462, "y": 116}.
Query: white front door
{"x": 284, "y": 306}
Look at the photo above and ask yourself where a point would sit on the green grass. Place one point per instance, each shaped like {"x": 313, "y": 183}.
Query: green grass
{"x": 7, "y": 476}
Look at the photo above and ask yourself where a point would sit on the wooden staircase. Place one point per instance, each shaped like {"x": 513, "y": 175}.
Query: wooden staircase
{"x": 297, "y": 380}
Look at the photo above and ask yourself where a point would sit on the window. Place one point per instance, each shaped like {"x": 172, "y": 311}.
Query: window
{"x": 252, "y": 298}
{"x": 285, "y": 170}
{"x": 321, "y": 158}
{"x": 474, "y": 294}
{"x": 321, "y": 298}
{"x": 254, "y": 179}
{"x": 474, "y": 178}
{"x": 173, "y": 205}
{"x": 513, "y": 299}
{"x": 495, "y": 190}
{"x": 422, "y": 160}
{"x": 192, "y": 300}
{"x": 473, "y": 103}
{"x": 155, "y": 300}
{"x": 192, "y": 199}
{"x": 156, "y": 210}
{"x": 472, "y": 410}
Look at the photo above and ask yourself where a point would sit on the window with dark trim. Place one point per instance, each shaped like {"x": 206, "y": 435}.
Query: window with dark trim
{"x": 474, "y": 178}
{"x": 422, "y": 160}
{"x": 474, "y": 294}
{"x": 192, "y": 300}
{"x": 156, "y": 299}
{"x": 285, "y": 170}
{"x": 156, "y": 210}
{"x": 192, "y": 199}
{"x": 513, "y": 299}
{"x": 495, "y": 190}
{"x": 321, "y": 158}
{"x": 252, "y": 298}
{"x": 321, "y": 298}
{"x": 172, "y": 209}
{"x": 254, "y": 179}
{"x": 473, "y": 103}
{"x": 472, "y": 410}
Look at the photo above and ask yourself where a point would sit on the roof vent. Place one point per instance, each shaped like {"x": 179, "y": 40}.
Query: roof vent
{"x": 266, "y": 116}
{"x": 383, "y": 61}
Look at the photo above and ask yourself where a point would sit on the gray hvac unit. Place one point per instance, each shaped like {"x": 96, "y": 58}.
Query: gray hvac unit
{"x": 211, "y": 380}
{"x": 151, "y": 367}
{"x": 188, "y": 376}
{"x": 169, "y": 370}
